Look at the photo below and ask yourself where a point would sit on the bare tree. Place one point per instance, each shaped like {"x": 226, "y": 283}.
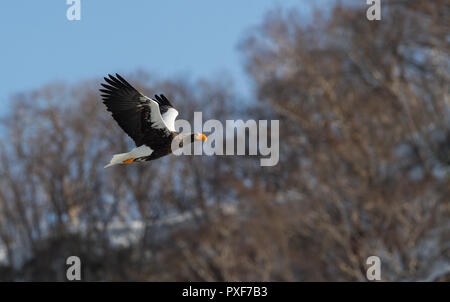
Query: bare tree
{"x": 365, "y": 114}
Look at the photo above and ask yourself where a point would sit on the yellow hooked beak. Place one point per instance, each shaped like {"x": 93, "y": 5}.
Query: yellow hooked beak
{"x": 201, "y": 137}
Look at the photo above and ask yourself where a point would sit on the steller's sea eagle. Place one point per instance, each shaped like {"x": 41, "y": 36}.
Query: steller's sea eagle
{"x": 149, "y": 122}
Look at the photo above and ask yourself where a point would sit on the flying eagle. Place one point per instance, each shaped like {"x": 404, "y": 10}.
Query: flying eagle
{"x": 149, "y": 122}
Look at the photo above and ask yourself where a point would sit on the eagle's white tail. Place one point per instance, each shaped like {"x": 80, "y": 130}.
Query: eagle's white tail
{"x": 138, "y": 152}
{"x": 118, "y": 159}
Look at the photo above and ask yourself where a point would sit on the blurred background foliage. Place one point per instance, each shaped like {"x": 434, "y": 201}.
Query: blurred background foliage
{"x": 364, "y": 164}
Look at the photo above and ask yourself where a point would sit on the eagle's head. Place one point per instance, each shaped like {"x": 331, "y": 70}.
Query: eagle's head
{"x": 184, "y": 139}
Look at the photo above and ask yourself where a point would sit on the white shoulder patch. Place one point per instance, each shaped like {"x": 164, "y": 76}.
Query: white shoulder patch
{"x": 169, "y": 118}
{"x": 155, "y": 116}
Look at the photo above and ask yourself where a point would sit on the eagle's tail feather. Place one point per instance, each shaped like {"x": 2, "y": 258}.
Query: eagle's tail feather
{"x": 130, "y": 157}
{"x": 118, "y": 159}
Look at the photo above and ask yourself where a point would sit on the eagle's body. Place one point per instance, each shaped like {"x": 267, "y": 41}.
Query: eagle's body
{"x": 149, "y": 122}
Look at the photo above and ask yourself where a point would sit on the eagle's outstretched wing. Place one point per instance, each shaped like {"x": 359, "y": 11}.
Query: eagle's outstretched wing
{"x": 139, "y": 116}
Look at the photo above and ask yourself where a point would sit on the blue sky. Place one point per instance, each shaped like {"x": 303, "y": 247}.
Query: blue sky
{"x": 197, "y": 38}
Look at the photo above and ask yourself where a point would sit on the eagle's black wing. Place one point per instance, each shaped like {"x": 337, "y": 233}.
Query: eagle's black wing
{"x": 139, "y": 116}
